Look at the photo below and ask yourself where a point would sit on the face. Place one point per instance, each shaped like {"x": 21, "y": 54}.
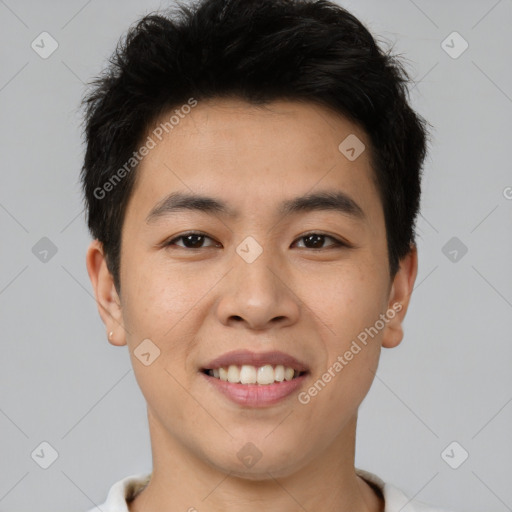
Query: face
{"x": 281, "y": 270}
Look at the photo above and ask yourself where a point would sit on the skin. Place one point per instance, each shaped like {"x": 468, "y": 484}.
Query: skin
{"x": 196, "y": 304}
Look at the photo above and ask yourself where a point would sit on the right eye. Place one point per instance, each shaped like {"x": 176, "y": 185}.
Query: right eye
{"x": 191, "y": 240}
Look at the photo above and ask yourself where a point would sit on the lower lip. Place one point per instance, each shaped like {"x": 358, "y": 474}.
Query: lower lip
{"x": 256, "y": 395}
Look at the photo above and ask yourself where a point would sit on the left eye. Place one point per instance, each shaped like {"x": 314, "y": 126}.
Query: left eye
{"x": 194, "y": 240}
{"x": 316, "y": 240}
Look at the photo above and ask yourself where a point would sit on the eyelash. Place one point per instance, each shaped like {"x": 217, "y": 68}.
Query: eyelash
{"x": 337, "y": 243}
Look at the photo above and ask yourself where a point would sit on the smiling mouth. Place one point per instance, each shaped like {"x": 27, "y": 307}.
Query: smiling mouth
{"x": 249, "y": 374}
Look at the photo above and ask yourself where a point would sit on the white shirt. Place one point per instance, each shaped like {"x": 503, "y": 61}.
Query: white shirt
{"x": 394, "y": 499}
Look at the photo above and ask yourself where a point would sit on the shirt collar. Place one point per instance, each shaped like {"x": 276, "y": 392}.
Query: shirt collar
{"x": 126, "y": 489}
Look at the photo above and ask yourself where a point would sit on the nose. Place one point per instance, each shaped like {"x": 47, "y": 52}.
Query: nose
{"x": 257, "y": 295}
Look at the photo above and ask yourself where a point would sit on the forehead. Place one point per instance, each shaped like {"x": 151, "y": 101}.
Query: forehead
{"x": 252, "y": 155}
{"x": 284, "y": 125}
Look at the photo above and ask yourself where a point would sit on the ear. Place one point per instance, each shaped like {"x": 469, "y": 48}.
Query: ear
{"x": 399, "y": 296}
{"x": 107, "y": 299}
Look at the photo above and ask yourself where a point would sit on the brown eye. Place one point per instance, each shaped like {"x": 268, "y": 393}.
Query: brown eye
{"x": 317, "y": 240}
{"x": 192, "y": 241}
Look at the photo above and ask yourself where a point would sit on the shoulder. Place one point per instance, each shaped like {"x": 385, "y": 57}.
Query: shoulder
{"x": 122, "y": 491}
{"x": 395, "y": 500}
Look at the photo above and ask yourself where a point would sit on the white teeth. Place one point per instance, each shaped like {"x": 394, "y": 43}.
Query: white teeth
{"x": 288, "y": 374}
{"x": 248, "y": 374}
{"x": 279, "y": 373}
{"x": 233, "y": 374}
{"x": 265, "y": 374}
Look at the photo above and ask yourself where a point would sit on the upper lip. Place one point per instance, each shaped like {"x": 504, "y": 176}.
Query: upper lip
{"x": 241, "y": 357}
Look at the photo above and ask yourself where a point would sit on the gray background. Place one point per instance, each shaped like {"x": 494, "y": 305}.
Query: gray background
{"x": 450, "y": 379}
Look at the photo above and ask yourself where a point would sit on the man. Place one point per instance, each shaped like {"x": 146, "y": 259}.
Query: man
{"x": 252, "y": 178}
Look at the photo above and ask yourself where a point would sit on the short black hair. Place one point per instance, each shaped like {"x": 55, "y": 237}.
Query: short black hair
{"x": 258, "y": 51}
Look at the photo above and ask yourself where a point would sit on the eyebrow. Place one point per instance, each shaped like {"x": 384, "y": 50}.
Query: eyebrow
{"x": 320, "y": 201}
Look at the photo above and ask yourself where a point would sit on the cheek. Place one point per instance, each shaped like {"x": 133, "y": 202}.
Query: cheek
{"x": 165, "y": 303}
{"x": 157, "y": 296}
{"x": 356, "y": 300}
{"x": 157, "y": 307}
{"x": 347, "y": 299}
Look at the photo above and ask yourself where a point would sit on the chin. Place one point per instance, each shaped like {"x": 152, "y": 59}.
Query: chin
{"x": 260, "y": 468}
{"x": 259, "y": 473}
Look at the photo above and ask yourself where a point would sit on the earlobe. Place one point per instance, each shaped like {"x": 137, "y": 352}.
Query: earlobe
{"x": 107, "y": 299}
{"x": 399, "y": 297}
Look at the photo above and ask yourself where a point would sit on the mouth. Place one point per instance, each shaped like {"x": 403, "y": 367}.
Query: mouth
{"x": 248, "y": 374}
{"x": 255, "y": 379}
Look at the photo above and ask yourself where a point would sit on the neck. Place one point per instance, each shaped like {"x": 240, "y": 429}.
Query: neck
{"x": 181, "y": 481}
